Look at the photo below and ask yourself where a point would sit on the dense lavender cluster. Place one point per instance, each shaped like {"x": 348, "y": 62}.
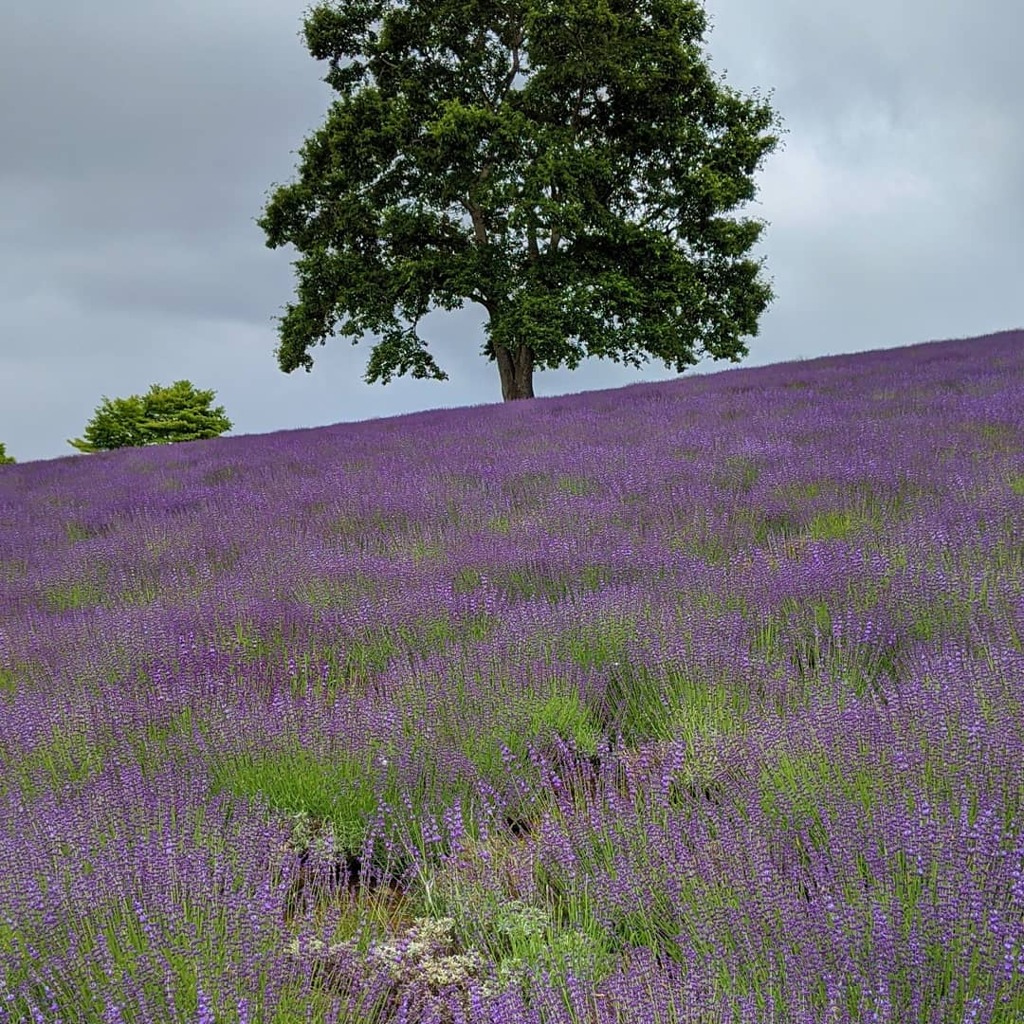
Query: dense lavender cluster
{"x": 694, "y": 701}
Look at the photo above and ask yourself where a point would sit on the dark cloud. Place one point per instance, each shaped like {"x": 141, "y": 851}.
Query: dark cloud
{"x": 140, "y": 140}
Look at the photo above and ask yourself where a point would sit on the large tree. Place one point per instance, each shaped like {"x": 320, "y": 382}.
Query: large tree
{"x": 164, "y": 415}
{"x": 594, "y": 193}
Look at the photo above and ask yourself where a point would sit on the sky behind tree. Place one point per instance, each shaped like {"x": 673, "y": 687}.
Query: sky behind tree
{"x": 141, "y": 141}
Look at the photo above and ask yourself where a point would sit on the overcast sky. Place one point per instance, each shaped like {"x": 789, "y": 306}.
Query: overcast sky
{"x": 139, "y": 140}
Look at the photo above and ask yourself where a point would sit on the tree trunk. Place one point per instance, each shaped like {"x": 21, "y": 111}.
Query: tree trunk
{"x": 516, "y": 369}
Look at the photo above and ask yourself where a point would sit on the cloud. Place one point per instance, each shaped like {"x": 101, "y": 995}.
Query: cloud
{"x": 146, "y": 139}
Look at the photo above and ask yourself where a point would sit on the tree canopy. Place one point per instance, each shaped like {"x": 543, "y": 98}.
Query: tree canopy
{"x": 5, "y": 459}
{"x": 594, "y": 193}
{"x": 164, "y": 415}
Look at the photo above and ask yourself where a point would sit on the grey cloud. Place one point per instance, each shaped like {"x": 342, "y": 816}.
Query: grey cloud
{"x": 140, "y": 141}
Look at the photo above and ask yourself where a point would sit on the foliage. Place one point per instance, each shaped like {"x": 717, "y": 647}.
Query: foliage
{"x": 802, "y": 799}
{"x": 164, "y": 415}
{"x": 5, "y": 459}
{"x": 621, "y": 145}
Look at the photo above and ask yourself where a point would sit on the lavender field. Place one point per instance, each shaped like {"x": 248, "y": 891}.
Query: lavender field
{"x": 696, "y": 701}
